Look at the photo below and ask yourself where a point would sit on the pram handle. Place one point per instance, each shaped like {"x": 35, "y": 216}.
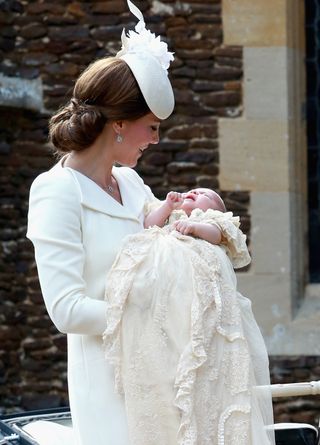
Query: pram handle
{"x": 294, "y": 389}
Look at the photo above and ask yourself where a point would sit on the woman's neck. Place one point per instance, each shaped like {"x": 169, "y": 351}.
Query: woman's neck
{"x": 95, "y": 162}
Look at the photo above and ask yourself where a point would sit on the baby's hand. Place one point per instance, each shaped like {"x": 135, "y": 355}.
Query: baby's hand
{"x": 185, "y": 227}
{"x": 174, "y": 200}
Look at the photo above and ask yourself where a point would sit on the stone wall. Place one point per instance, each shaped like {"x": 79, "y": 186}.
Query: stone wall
{"x": 291, "y": 370}
{"x": 271, "y": 163}
{"x": 32, "y": 352}
{"x": 53, "y": 42}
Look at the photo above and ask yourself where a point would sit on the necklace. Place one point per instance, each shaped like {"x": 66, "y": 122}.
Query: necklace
{"x": 109, "y": 188}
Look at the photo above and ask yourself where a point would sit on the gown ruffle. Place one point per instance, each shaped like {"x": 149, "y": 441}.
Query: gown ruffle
{"x": 187, "y": 352}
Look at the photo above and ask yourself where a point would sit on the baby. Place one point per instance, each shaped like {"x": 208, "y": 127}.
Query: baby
{"x": 185, "y": 346}
{"x": 199, "y": 198}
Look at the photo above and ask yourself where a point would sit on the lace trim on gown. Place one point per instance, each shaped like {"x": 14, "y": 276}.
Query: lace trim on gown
{"x": 233, "y": 239}
{"x": 176, "y": 337}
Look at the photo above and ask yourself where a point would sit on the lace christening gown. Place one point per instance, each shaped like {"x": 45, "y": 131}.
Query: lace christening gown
{"x": 187, "y": 351}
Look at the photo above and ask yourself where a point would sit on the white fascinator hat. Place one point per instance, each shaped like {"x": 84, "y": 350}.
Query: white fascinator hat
{"x": 148, "y": 58}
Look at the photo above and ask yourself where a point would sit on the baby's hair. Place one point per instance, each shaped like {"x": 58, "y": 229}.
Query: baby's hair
{"x": 219, "y": 201}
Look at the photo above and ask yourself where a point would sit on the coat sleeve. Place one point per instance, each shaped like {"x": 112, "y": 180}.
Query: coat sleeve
{"x": 54, "y": 227}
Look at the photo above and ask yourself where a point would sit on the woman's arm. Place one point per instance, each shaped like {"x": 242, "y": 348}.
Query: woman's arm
{"x": 54, "y": 227}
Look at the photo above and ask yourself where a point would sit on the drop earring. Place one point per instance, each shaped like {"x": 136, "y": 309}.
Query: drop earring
{"x": 119, "y": 138}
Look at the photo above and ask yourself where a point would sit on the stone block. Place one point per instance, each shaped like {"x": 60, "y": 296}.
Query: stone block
{"x": 170, "y": 146}
{"x": 200, "y": 64}
{"x": 207, "y": 182}
{"x": 154, "y": 181}
{"x": 103, "y": 19}
{"x": 222, "y": 99}
{"x": 9, "y": 32}
{"x": 205, "y": 7}
{"x": 233, "y": 86}
{"x": 184, "y": 72}
{"x": 301, "y": 335}
{"x": 106, "y": 33}
{"x": 223, "y": 73}
{"x": 206, "y": 31}
{"x": 234, "y": 52}
{"x": 199, "y": 156}
{"x": 181, "y": 167}
{"x": 193, "y": 44}
{"x": 31, "y": 401}
{"x": 254, "y": 155}
{"x": 212, "y": 144}
{"x": 205, "y": 18}
{"x": 6, "y": 44}
{"x": 45, "y": 7}
{"x": 76, "y": 10}
{"x": 270, "y": 295}
{"x": 33, "y": 31}
{"x": 207, "y": 85}
{"x": 35, "y": 59}
{"x": 210, "y": 168}
{"x": 184, "y": 179}
{"x": 254, "y": 22}
{"x": 112, "y": 7}
{"x": 57, "y": 20}
{"x": 265, "y": 86}
{"x": 228, "y": 61}
{"x": 296, "y": 29}
{"x": 61, "y": 69}
{"x": 157, "y": 158}
{"x": 190, "y": 131}
{"x": 185, "y": 97}
{"x": 176, "y": 22}
{"x": 68, "y": 33}
{"x": 6, "y": 18}
{"x": 271, "y": 233}
{"x": 21, "y": 93}
{"x": 194, "y": 54}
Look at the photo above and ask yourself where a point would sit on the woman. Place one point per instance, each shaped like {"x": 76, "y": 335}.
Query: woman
{"x": 83, "y": 207}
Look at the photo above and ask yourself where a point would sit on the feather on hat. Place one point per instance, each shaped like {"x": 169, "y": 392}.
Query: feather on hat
{"x": 149, "y": 59}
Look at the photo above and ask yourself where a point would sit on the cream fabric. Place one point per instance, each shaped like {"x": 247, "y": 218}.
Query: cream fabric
{"x": 50, "y": 433}
{"x": 76, "y": 229}
{"x": 186, "y": 348}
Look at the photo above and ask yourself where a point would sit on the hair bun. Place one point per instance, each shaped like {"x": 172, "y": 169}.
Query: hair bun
{"x": 74, "y": 104}
{"x": 76, "y": 126}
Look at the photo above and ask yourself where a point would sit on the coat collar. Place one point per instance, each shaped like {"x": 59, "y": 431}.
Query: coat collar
{"x": 93, "y": 197}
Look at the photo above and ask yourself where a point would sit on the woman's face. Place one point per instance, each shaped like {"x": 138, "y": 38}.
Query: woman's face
{"x": 137, "y": 136}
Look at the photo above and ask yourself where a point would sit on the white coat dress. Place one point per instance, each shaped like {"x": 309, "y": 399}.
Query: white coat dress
{"x": 76, "y": 229}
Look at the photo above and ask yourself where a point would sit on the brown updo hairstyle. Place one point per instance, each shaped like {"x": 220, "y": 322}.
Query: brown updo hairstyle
{"x": 106, "y": 91}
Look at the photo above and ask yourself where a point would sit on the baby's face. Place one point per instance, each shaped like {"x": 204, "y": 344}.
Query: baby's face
{"x": 200, "y": 198}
